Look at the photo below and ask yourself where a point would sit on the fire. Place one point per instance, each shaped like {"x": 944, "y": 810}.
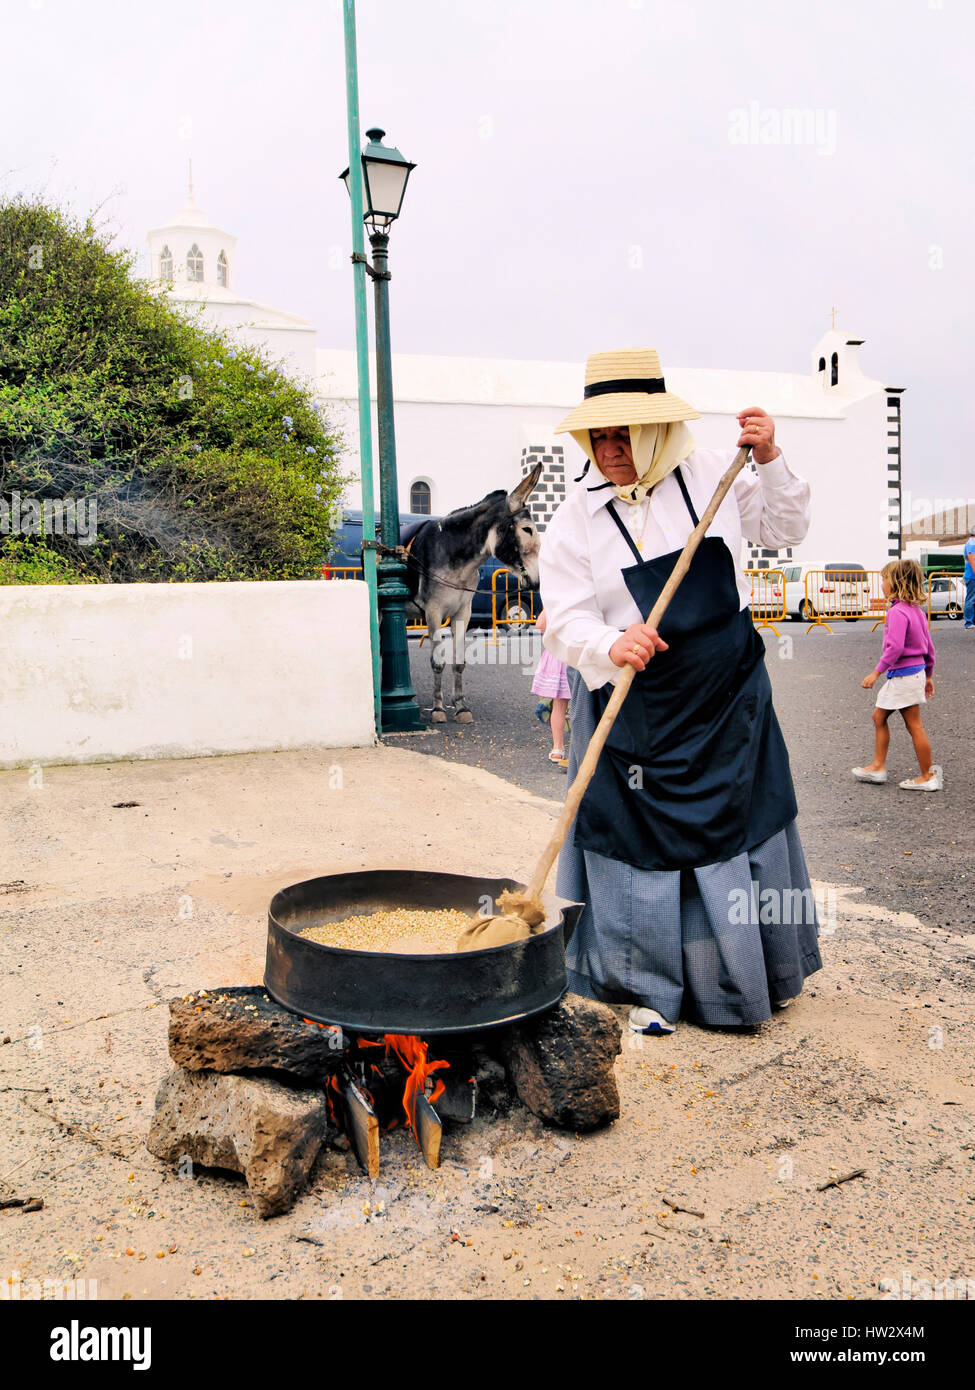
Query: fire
{"x": 412, "y": 1052}
{"x": 333, "y": 1098}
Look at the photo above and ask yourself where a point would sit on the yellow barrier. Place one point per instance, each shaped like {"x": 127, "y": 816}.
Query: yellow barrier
{"x": 767, "y": 602}
{"x": 511, "y": 603}
{"x": 514, "y": 605}
{"x": 341, "y": 572}
{"x": 949, "y": 586}
{"x": 832, "y": 595}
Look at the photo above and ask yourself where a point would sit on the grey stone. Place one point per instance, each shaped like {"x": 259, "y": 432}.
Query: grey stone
{"x": 561, "y": 1063}
{"x": 251, "y": 1125}
{"x": 243, "y": 1029}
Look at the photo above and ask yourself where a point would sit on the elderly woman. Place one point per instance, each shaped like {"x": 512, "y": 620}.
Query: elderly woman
{"x": 685, "y": 848}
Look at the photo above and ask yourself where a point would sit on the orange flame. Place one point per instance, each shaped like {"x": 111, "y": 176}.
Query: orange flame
{"x": 333, "y": 1095}
{"x": 412, "y": 1052}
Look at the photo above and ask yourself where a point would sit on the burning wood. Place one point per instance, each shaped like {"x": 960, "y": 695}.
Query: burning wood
{"x": 428, "y": 1130}
{"x": 417, "y": 1105}
{"x": 362, "y": 1125}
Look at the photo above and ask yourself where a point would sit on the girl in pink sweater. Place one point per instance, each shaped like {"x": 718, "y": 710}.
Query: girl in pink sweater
{"x": 908, "y": 658}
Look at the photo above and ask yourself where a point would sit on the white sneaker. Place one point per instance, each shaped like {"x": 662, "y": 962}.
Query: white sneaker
{"x": 934, "y": 783}
{"x": 784, "y": 1003}
{"x": 862, "y": 775}
{"x": 649, "y": 1021}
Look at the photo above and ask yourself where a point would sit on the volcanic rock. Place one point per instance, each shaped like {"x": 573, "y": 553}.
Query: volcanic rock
{"x": 243, "y": 1029}
{"x": 561, "y": 1063}
{"x": 251, "y": 1125}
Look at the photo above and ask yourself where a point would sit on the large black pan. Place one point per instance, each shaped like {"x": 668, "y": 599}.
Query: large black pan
{"x": 378, "y": 992}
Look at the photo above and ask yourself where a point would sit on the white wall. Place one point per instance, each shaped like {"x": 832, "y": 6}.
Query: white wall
{"x": 845, "y": 463}
{"x": 294, "y": 345}
{"x": 469, "y": 449}
{"x": 93, "y": 673}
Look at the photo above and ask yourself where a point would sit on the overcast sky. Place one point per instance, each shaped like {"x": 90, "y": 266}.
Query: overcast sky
{"x": 588, "y": 173}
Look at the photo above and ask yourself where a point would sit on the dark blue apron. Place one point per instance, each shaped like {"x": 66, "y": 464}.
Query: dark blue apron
{"x": 695, "y": 769}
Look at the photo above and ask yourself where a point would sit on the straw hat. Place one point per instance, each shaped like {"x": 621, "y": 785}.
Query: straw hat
{"x": 625, "y": 388}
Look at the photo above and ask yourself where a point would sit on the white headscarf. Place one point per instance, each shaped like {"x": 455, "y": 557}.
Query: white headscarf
{"x": 657, "y": 450}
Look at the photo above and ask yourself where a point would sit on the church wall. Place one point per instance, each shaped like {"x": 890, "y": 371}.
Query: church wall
{"x": 466, "y": 450}
{"x": 294, "y": 348}
{"x": 836, "y": 434}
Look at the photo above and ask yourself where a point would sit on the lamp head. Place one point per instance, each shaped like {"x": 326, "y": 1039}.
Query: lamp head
{"x": 385, "y": 174}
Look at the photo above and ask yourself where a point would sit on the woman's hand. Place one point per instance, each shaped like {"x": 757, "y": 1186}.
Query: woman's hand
{"x": 758, "y": 430}
{"x": 928, "y": 688}
{"x": 870, "y": 681}
{"x": 636, "y": 646}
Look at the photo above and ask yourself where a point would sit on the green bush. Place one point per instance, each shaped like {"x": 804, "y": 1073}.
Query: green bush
{"x": 22, "y": 561}
{"x": 205, "y": 461}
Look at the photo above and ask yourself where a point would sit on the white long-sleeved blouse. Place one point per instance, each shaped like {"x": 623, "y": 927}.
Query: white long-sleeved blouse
{"x": 587, "y": 604}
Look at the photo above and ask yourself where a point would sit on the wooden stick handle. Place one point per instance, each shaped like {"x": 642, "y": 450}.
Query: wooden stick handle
{"x": 588, "y": 765}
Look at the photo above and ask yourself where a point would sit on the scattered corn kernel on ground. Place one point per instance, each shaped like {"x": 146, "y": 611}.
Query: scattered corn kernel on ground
{"x": 401, "y": 931}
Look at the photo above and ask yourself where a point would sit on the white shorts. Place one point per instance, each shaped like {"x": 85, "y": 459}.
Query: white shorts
{"x": 899, "y": 692}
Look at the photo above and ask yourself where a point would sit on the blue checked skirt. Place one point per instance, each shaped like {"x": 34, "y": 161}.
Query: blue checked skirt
{"x": 719, "y": 944}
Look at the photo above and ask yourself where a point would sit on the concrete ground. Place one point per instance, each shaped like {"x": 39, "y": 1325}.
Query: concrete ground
{"x": 108, "y": 909}
{"x": 909, "y": 851}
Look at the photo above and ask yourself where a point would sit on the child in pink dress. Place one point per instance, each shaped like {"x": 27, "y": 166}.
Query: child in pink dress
{"x": 908, "y": 660}
{"x": 551, "y": 682}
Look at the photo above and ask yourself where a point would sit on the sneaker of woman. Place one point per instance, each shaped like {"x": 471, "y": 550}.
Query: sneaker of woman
{"x": 864, "y": 774}
{"x": 649, "y": 1021}
{"x": 933, "y": 783}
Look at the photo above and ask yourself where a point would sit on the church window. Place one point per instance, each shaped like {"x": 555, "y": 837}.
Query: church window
{"x": 835, "y": 369}
{"x": 420, "y": 498}
{"x": 822, "y": 364}
{"x": 194, "y": 263}
{"x": 166, "y": 264}
{"x": 223, "y": 270}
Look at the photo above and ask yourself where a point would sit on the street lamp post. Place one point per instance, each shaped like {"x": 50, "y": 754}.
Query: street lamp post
{"x": 385, "y": 174}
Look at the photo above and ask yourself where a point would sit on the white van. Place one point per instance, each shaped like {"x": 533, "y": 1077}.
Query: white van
{"x": 845, "y": 598}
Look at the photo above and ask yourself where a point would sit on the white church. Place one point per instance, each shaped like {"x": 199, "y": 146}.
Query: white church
{"x": 466, "y": 425}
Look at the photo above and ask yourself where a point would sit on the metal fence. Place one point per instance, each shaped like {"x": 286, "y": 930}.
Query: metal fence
{"x": 512, "y": 603}
{"x": 946, "y": 594}
{"x": 828, "y": 596}
{"x": 767, "y": 602}
{"x": 842, "y": 596}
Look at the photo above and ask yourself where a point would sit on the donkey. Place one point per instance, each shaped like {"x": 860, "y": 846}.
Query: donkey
{"x": 442, "y": 572}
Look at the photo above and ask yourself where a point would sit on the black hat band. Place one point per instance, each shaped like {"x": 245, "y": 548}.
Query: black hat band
{"x": 649, "y": 385}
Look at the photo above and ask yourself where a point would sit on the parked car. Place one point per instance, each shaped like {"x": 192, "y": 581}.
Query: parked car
{"x": 845, "y": 596}
{"x": 346, "y": 553}
{"x": 947, "y": 597}
{"x": 767, "y": 592}
{"x": 514, "y": 605}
